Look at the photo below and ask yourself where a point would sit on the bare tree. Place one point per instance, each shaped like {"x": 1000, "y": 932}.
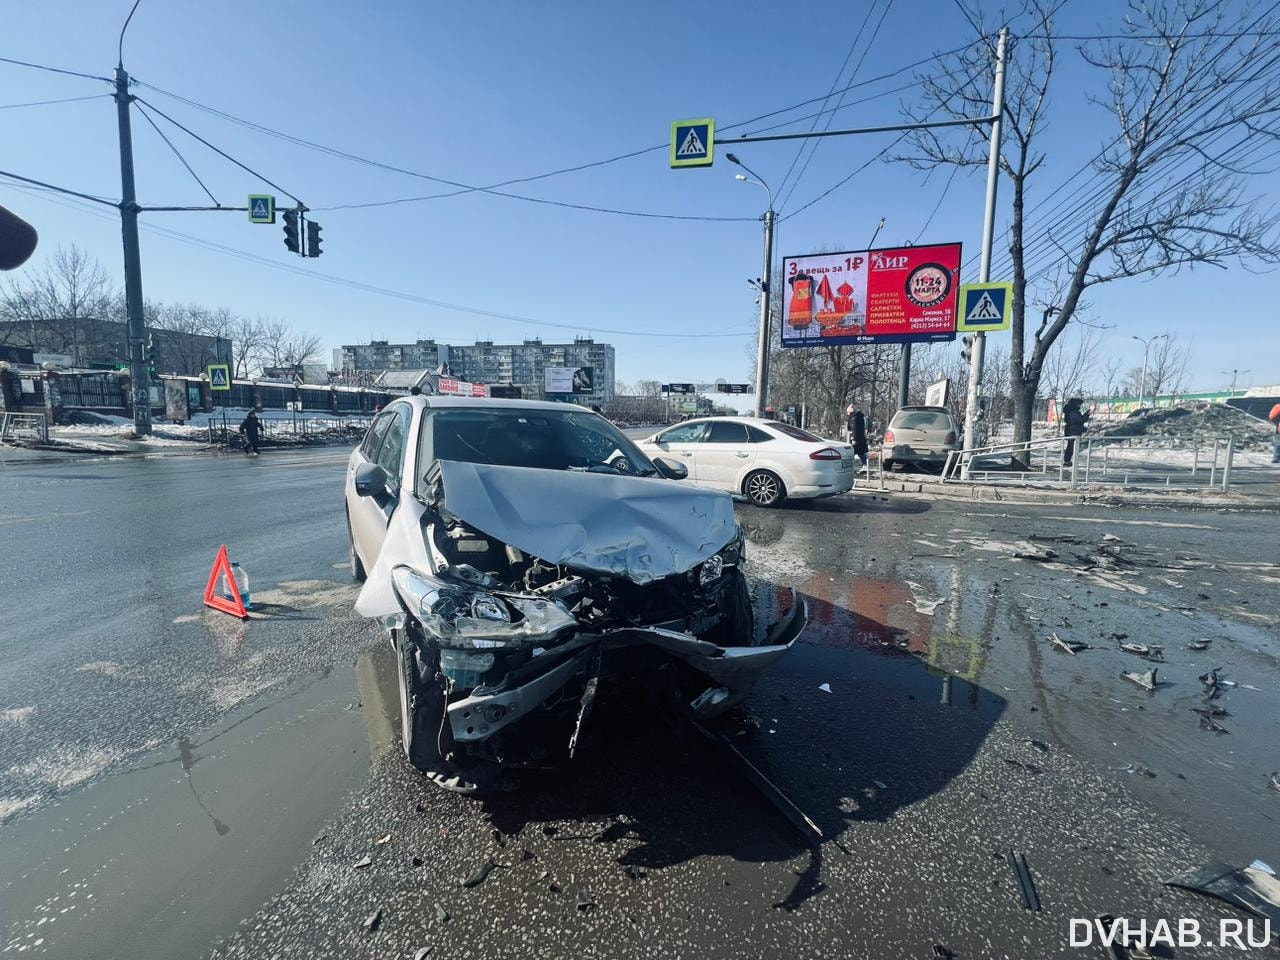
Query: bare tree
{"x": 60, "y": 306}
{"x": 282, "y": 346}
{"x": 1167, "y": 366}
{"x": 1194, "y": 94}
{"x": 1068, "y": 370}
{"x": 648, "y": 388}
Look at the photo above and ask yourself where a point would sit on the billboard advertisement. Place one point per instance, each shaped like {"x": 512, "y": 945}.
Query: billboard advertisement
{"x": 889, "y": 295}
{"x": 569, "y": 379}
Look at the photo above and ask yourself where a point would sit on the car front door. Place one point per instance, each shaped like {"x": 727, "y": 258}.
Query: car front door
{"x": 724, "y": 456}
{"x": 681, "y": 444}
{"x": 369, "y": 515}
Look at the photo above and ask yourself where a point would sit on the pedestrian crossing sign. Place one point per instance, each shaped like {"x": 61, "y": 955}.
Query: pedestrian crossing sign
{"x": 985, "y": 306}
{"x": 262, "y": 208}
{"x": 219, "y": 376}
{"x": 693, "y": 142}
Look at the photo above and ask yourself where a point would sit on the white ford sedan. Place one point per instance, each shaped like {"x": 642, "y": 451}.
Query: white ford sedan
{"x": 764, "y": 460}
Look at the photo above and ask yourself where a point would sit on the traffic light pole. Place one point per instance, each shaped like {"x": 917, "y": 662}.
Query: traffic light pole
{"x": 988, "y": 235}
{"x": 138, "y": 372}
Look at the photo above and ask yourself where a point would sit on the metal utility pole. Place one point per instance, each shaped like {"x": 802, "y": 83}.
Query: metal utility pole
{"x": 904, "y": 376}
{"x": 766, "y": 289}
{"x": 988, "y": 235}
{"x": 138, "y": 372}
{"x": 1146, "y": 345}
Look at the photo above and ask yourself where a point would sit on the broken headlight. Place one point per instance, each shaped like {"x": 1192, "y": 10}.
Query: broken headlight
{"x": 459, "y": 615}
{"x": 711, "y": 570}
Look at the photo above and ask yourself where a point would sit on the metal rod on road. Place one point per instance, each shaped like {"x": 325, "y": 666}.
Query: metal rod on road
{"x": 139, "y": 375}
{"x": 988, "y": 235}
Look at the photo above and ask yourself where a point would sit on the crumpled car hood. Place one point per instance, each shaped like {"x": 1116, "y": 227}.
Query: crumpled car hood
{"x": 635, "y": 527}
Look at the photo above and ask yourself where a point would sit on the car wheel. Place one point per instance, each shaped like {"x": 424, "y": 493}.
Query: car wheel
{"x": 888, "y": 464}
{"x": 764, "y": 488}
{"x": 358, "y": 572}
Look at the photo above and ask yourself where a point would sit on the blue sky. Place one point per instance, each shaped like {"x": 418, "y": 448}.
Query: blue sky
{"x": 480, "y": 93}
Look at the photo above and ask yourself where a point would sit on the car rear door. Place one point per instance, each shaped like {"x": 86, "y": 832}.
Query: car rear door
{"x": 723, "y": 456}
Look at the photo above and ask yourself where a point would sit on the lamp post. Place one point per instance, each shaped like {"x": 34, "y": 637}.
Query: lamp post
{"x": 1146, "y": 344}
{"x": 762, "y": 347}
{"x": 1235, "y": 374}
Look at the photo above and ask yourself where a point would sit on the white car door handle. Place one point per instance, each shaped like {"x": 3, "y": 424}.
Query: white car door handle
{"x": 742, "y": 455}
{"x": 685, "y": 453}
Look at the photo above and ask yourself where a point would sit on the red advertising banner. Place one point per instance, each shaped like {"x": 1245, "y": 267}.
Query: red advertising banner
{"x": 451, "y": 386}
{"x": 891, "y": 295}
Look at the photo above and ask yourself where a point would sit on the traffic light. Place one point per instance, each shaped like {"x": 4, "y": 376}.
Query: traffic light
{"x": 966, "y": 352}
{"x": 313, "y": 239}
{"x": 291, "y": 237}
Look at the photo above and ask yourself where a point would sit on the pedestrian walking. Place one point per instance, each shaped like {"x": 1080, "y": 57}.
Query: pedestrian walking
{"x": 1074, "y": 421}
{"x": 251, "y": 426}
{"x": 858, "y": 432}
{"x": 1274, "y": 417}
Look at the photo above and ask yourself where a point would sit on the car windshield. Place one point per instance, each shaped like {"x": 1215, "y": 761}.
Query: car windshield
{"x": 518, "y": 437}
{"x": 922, "y": 420}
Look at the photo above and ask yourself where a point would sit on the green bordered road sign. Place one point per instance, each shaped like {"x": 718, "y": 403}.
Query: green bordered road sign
{"x": 693, "y": 142}
{"x": 219, "y": 376}
{"x": 262, "y": 208}
{"x": 985, "y": 307}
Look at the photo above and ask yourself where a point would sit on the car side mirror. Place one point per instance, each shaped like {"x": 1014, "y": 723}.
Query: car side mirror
{"x": 671, "y": 469}
{"x": 370, "y": 481}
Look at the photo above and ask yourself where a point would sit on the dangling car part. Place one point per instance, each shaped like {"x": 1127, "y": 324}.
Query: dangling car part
{"x": 515, "y": 596}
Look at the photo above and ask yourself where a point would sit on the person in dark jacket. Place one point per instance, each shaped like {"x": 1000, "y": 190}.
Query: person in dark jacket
{"x": 251, "y": 426}
{"x": 1074, "y": 421}
{"x": 858, "y": 432}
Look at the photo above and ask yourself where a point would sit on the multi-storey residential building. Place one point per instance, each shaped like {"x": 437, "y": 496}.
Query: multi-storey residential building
{"x": 517, "y": 364}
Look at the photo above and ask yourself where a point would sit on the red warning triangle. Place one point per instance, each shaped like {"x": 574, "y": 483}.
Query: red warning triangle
{"x": 212, "y": 598}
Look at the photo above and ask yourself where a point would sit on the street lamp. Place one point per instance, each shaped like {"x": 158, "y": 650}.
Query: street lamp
{"x": 1234, "y": 375}
{"x": 1146, "y": 343}
{"x": 762, "y": 347}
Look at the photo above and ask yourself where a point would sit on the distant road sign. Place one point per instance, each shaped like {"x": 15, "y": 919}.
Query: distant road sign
{"x": 693, "y": 142}
{"x": 985, "y": 307}
{"x": 262, "y": 208}
{"x": 219, "y": 376}
{"x": 679, "y": 388}
{"x": 733, "y": 388}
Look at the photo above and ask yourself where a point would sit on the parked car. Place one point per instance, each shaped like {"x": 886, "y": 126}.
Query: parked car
{"x": 766, "y": 461}
{"x": 923, "y": 436}
{"x": 526, "y": 557}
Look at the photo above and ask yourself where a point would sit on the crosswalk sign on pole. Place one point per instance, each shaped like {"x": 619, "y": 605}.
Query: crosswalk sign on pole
{"x": 693, "y": 142}
{"x": 262, "y": 208}
{"x": 219, "y": 376}
{"x": 985, "y": 307}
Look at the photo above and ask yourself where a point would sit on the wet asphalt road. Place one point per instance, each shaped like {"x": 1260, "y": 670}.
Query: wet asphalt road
{"x": 164, "y": 772}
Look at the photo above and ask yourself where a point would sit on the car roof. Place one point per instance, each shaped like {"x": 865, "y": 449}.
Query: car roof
{"x": 490, "y": 403}
{"x": 764, "y": 420}
{"x": 911, "y": 407}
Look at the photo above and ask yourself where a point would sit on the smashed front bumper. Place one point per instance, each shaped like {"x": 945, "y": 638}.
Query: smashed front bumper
{"x": 730, "y": 672}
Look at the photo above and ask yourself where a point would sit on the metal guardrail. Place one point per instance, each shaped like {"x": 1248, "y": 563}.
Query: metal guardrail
{"x": 14, "y": 425}
{"x": 299, "y": 425}
{"x": 1093, "y": 463}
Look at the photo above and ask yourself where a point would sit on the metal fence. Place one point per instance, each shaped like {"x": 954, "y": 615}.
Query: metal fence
{"x": 298, "y": 427}
{"x": 1100, "y": 461}
{"x": 14, "y": 426}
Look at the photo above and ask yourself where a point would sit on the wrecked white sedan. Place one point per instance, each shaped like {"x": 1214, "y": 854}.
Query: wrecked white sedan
{"x": 525, "y": 558}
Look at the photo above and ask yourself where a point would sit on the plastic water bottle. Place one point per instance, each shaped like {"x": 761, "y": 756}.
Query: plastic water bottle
{"x": 242, "y": 582}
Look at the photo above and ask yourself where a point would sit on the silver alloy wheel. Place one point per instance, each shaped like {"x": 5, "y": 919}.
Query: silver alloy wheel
{"x": 764, "y": 488}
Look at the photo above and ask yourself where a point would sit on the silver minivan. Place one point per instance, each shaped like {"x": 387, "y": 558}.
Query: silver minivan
{"x": 920, "y": 435}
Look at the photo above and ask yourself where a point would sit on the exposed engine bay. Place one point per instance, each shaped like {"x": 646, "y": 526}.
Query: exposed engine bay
{"x": 507, "y": 629}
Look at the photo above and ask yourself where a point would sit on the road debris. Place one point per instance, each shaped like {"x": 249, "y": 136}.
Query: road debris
{"x": 1038, "y": 744}
{"x": 633, "y": 871}
{"x": 1147, "y": 680}
{"x": 1030, "y": 899}
{"x": 1067, "y": 646}
{"x": 880, "y": 785}
{"x": 1201, "y": 644}
{"x": 1149, "y": 652}
{"x": 1275, "y": 781}
{"x": 363, "y": 862}
{"x": 383, "y": 841}
{"x": 480, "y": 873}
{"x": 824, "y": 687}
{"x": 1029, "y": 767}
{"x": 371, "y": 922}
{"x": 586, "y": 901}
{"x": 942, "y": 953}
{"x": 1212, "y": 725}
{"x": 1252, "y": 890}
{"x": 423, "y": 953}
{"x": 442, "y": 915}
{"x": 1264, "y": 867}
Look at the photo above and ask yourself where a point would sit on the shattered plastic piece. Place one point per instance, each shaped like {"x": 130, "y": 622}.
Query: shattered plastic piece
{"x": 586, "y": 901}
{"x": 1250, "y": 889}
{"x": 1030, "y": 899}
{"x": 1202, "y": 644}
{"x": 318, "y": 838}
{"x": 1264, "y": 867}
{"x": 1147, "y": 680}
{"x": 371, "y": 922}
{"x": 942, "y": 953}
{"x": 880, "y": 785}
{"x": 1275, "y": 781}
{"x": 423, "y": 953}
{"x": 1067, "y": 646}
{"x": 1029, "y": 767}
{"x": 1212, "y": 725}
{"x": 478, "y": 875}
{"x": 526, "y": 854}
{"x": 1211, "y": 678}
{"x": 1140, "y": 769}
{"x": 633, "y": 871}
{"x": 1039, "y": 745}
{"x": 384, "y": 840}
{"x": 442, "y": 915}
{"x": 363, "y": 862}
{"x": 824, "y": 687}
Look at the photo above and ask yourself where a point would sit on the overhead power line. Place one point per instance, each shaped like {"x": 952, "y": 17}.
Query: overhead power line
{"x": 43, "y": 103}
{"x": 56, "y": 189}
{"x": 42, "y": 66}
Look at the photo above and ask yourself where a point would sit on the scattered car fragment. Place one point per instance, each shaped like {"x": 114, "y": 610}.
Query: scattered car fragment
{"x": 525, "y": 557}
{"x": 1067, "y": 646}
{"x": 1252, "y": 890}
{"x": 1147, "y": 680}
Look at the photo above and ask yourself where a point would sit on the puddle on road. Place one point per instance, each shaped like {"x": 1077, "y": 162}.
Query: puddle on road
{"x": 167, "y": 856}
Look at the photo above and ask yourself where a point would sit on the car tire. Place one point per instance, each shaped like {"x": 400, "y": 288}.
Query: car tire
{"x": 888, "y": 464}
{"x": 358, "y": 572}
{"x": 764, "y": 488}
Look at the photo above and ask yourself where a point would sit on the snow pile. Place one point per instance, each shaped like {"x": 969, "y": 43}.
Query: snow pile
{"x": 1195, "y": 424}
